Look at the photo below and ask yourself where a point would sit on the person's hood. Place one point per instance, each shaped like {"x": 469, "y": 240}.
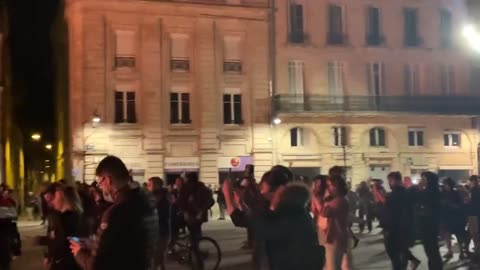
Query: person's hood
{"x": 296, "y": 195}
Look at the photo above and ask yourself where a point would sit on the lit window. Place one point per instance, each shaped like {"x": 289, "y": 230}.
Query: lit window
{"x": 451, "y": 139}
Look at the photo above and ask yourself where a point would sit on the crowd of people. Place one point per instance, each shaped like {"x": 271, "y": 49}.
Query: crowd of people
{"x": 115, "y": 223}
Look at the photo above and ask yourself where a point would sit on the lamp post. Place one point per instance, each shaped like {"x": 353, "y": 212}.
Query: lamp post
{"x": 95, "y": 120}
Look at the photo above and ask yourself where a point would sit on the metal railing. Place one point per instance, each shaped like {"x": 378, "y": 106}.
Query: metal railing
{"x": 447, "y": 105}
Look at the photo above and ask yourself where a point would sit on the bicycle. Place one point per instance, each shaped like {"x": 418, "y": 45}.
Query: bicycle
{"x": 209, "y": 252}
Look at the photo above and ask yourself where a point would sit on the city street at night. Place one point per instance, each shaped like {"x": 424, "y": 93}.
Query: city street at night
{"x": 370, "y": 254}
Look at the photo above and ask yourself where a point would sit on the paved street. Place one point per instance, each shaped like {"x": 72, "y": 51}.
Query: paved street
{"x": 368, "y": 255}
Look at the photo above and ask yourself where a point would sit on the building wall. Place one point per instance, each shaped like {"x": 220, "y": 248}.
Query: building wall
{"x": 315, "y": 53}
{"x": 152, "y": 144}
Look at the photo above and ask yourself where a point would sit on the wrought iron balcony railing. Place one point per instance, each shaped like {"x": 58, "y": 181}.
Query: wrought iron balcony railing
{"x": 445, "y": 105}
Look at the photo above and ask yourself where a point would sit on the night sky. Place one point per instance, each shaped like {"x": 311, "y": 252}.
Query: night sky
{"x": 32, "y": 63}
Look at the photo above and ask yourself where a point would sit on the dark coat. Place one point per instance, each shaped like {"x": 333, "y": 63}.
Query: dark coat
{"x": 397, "y": 217}
{"x": 64, "y": 225}
{"x": 163, "y": 206}
{"x": 195, "y": 199}
{"x": 127, "y": 237}
{"x": 289, "y": 233}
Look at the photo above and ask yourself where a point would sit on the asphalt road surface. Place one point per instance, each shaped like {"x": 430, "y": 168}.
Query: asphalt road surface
{"x": 370, "y": 253}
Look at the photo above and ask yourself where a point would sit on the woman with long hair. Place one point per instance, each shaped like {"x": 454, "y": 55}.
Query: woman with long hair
{"x": 334, "y": 235}
{"x": 319, "y": 191}
{"x": 67, "y": 222}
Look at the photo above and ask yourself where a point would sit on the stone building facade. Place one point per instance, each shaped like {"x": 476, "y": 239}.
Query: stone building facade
{"x": 179, "y": 86}
{"x": 374, "y": 86}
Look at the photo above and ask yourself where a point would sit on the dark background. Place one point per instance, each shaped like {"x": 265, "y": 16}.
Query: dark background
{"x": 32, "y": 64}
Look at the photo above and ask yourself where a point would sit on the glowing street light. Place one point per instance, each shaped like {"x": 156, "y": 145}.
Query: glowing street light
{"x": 48, "y": 146}
{"x": 472, "y": 36}
{"x": 36, "y": 137}
{"x": 277, "y": 121}
{"x": 96, "y": 118}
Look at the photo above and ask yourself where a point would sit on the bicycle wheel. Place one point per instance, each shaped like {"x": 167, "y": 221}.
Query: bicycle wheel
{"x": 209, "y": 255}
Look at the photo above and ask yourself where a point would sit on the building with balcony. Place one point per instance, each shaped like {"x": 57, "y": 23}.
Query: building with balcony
{"x": 179, "y": 86}
{"x": 375, "y": 86}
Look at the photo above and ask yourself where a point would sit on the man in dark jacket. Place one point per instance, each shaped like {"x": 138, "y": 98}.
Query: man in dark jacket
{"x": 244, "y": 211}
{"x": 128, "y": 233}
{"x": 194, "y": 201}
{"x": 396, "y": 218}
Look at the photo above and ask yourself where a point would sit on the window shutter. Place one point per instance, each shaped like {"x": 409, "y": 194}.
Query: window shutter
{"x": 294, "y": 137}
{"x": 186, "y": 108}
{"x": 407, "y": 75}
{"x": 227, "y": 110}
{"x": 174, "y": 117}
{"x": 420, "y": 138}
{"x": 237, "y": 109}
{"x": 119, "y": 107}
{"x": 125, "y": 43}
{"x": 131, "y": 111}
{"x": 381, "y": 137}
{"x": 411, "y": 138}
{"x": 179, "y": 47}
{"x": 232, "y": 49}
{"x": 343, "y": 134}
{"x": 373, "y": 140}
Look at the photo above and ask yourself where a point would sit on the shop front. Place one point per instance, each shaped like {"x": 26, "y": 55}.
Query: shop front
{"x": 458, "y": 173}
{"x": 233, "y": 167}
{"x": 179, "y": 166}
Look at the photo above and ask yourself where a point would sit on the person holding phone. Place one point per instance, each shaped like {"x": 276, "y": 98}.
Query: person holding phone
{"x": 66, "y": 223}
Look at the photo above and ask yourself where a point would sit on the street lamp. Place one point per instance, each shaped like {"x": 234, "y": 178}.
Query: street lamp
{"x": 49, "y": 146}
{"x": 96, "y": 118}
{"x": 472, "y": 36}
{"x": 277, "y": 121}
{"x": 36, "y": 137}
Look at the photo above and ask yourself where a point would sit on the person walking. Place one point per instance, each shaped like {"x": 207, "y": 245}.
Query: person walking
{"x": 453, "y": 218}
{"x": 319, "y": 193}
{"x": 128, "y": 232}
{"x": 335, "y": 234}
{"x": 220, "y": 202}
{"x": 473, "y": 206}
{"x": 365, "y": 210}
{"x": 396, "y": 217}
{"x": 162, "y": 203}
{"x": 66, "y": 222}
{"x": 194, "y": 201}
{"x": 427, "y": 208}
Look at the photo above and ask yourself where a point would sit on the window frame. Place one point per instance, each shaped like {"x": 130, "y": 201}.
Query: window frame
{"x": 377, "y": 137}
{"x": 300, "y": 137}
{"x": 340, "y": 134}
{"x": 125, "y": 111}
{"x": 450, "y": 139}
{"x": 415, "y": 132}
{"x": 370, "y": 35}
{"x": 296, "y": 35}
{"x": 331, "y": 35}
{"x": 180, "y": 107}
{"x": 411, "y": 40}
{"x": 233, "y": 121}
